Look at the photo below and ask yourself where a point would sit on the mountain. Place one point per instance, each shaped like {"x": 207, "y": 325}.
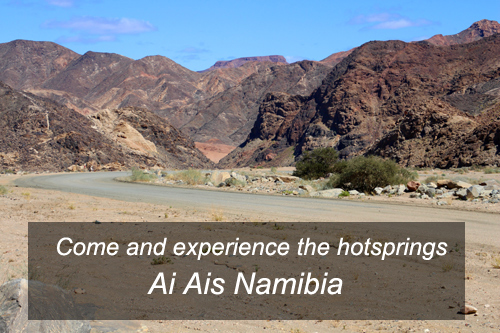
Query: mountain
{"x": 235, "y": 63}
{"x": 476, "y": 31}
{"x": 28, "y": 64}
{"x": 40, "y": 134}
{"x": 421, "y": 104}
{"x": 229, "y": 115}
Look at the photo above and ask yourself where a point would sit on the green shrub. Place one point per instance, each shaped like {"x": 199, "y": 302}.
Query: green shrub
{"x": 3, "y": 190}
{"x": 140, "y": 176}
{"x": 344, "y": 194}
{"x": 317, "y": 163}
{"x": 274, "y": 169}
{"x": 365, "y": 173}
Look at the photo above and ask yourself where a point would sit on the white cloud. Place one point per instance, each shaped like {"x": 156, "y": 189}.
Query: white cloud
{"x": 102, "y": 25}
{"x": 387, "y": 21}
{"x": 61, "y": 3}
{"x": 85, "y": 40}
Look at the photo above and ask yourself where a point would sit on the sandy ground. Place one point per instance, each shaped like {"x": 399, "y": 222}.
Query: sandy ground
{"x": 22, "y": 205}
{"x": 213, "y": 150}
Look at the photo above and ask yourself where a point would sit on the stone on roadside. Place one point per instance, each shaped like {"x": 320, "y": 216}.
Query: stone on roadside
{"x": 459, "y": 184}
{"x": 474, "y": 192}
{"x": 443, "y": 182}
{"x": 415, "y": 195}
{"x": 218, "y": 177}
{"x": 333, "y": 193}
{"x": 462, "y": 193}
{"x": 432, "y": 185}
{"x": 238, "y": 177}
{"x": 424, "y": 196}
{"x": 413, "y": 186}
{"x": 353, "y": 192}
{"x": 307, "y": 188}
{"x": 288, "y": 179}
{"x": 400, "y": 189}
{"x": 387, "y": 189}
{"x": 378, "y": 190}
{"x": 431, "y": 192}
{"x": 423, "y": 188}
{"x": 468, "y": 309}
{"x": 442, "y": 203}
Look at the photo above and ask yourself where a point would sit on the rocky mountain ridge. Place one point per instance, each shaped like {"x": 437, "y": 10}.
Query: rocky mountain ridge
{"x": 40, "y": 134}
{"x": 235, "y": 63}
{"x": 421, "y": 104}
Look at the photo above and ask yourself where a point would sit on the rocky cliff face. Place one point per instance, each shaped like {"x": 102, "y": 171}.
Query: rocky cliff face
{"x": 39, "y": 134}
{"x": 235, "y": 63}
{"x": 230, "y": 115}
{"x": 377, "y": 96}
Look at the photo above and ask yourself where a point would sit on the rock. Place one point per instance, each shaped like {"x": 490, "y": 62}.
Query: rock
{"x": 424, "y": 196}
{"x": 218, "y": 177}
{"x": 387, "y": 189}
{"x": 474, "y": 192}
{"x": 73, "y": 168}
{"x": 307, "y": 188}
{"x": 492, "y": 187}
{"x": 442, "y": 203}
{"x": 432, "y": 185}
{"x": 79, "y": 291}
{"x": 462, "y": 193}
{"x": 486, "y": 193}
{"x": 415, "y": 195}
{"x": 413, "y": 186}
{"x": 423, "y": 188}
{"x": 431, "y": 192}
{"x": 209, "y": 184}
{"x": 400, "y": 189}
{"x": 43, "y": 298}
{"x": 378, "y": 190}
{"x": 333, "y": 193}
{"x": 353, "y": 192}
{"x": 289, "y": 179}
{"x": 494, "y": 201}
{"x": 443, "y": 183}
{"x": 459, "y": 184}
{"x": 468, "y": 309}
{"x": 238, "y": 177}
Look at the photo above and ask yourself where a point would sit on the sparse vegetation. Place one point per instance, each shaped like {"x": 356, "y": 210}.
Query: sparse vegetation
{"x": 317, "y": 163}
{"x": 3, "y": 190}
{"x": 496, "y": 262}
{"x": 26, "y": 195}
{"x": 140, "y": 176}
{"x": 217, "y": 215}
{"x": 190, "y": 177}
{"x": 274, "y": 169}
{"x": 448, "y": 266}
{"x": 365, "y": 173}
{"x": 161, "y": 261}
{"x": 492, "y": 170}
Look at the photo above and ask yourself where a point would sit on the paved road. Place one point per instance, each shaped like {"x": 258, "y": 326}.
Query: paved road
{"x": 481, "y": 225}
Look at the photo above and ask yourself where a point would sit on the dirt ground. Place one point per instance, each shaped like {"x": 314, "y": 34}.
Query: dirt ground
{"x": 21, "y": 205}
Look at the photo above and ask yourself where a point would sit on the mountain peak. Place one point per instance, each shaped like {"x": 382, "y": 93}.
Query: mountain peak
{"x": 476, "y": 31}
{"x": 241, "y": 61}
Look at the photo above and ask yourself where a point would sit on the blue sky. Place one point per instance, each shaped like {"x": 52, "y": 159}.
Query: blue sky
{"x": 197, "y": 33}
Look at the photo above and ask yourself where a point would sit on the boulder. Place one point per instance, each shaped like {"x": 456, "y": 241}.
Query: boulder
{"x": 218, "y": 177}
{"x": 458, "y": 184}
{"x": 443, "y": 183}
{"x": 431, "y": 192}
{"x": 387, "y": 189}
{"x": 378, "y": 190}
{"x": 423, "y": 188}
{"x": 238, "y": 177}
{"x": 333, "y": 193}
{"x": 474, "y": 191}
{"x": 462, "y": 193}
{"x": 289, "y": 179}
{"x": 400, "y": 189}
{"x": 49, "y": 300}
{"x": 432, "y": 185}
{"x": 353, "y": 192}
{"x": 413, "y": 186}
{"x": 307, "y": 188}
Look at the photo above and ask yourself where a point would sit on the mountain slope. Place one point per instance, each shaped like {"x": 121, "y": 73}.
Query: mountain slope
{"x": 38, "y": 134}
{"x": 230, "y": 115}
{"x": 375, "y": 91}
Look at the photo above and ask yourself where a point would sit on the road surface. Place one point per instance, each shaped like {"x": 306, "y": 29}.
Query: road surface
{"x": 480, "y": 225}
